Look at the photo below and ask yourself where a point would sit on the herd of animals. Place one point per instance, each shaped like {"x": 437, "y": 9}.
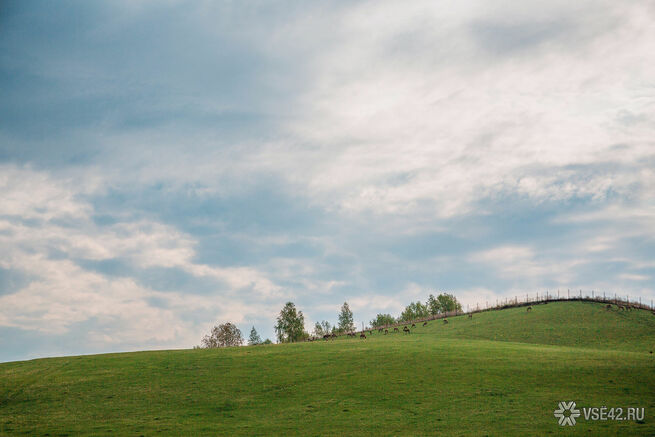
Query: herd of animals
{"x": 408, "y": 330}
{"x": 362, "y": 334}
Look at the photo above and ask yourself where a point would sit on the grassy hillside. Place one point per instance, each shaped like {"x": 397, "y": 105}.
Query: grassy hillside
{"x": 455, "y": 379}
{"x": 576, "y": 324}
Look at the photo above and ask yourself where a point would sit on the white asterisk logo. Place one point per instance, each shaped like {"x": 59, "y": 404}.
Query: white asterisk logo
{"x": 566, "y": 419}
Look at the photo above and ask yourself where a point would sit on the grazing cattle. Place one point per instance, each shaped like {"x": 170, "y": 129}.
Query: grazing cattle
{"x": 413, "y": 325}
{"x": 608, "y": 307}
{"x": 620, "y": 307}
{"x": 470, "y": 315}
{"x": 380, "y": 330}
{"x": 334, "y": 335}
{"x": 445, "y": 321}
{"x": 529, "y": 309}
{"x": 425, "y": 324}
{"x": 362, "y": 335}
{"x": 395, "y": 330}
{"x": 406, "y": 330}
{"x": 386, "y": 331}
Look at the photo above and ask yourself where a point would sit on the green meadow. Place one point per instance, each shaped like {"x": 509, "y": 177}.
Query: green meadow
{"x": 501, "y": 373}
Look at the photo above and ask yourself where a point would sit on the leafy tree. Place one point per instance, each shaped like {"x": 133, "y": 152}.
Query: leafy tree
{"x": 254, "y": 337}
{"x": 414, "y": 310}
{"x": 267, "y": 341}
{"x": 290, "y": 326}
{"x": 346, "y": 322}
{"x": 223, "y": 335}
{"x": 382, "y": 320}
{"x": 448, "y": 303}
{"x": 327, "y": 329}
{"x": 434, "y": 306}
{"x": 322, "y": 328}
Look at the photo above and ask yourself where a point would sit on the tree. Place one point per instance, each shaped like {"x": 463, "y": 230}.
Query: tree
{"x": 223, "y": 335}
{"x": 434, "y": 306}
{"x": 267, "y": 341}
{"x": 448, "y": 303}
{"x": 346, "y": 323}
{"x": 290, "y": 325}
{"x": 382, "y": 320}
{"x": 415, "y": 310}
{"x": 254, "y": 337}
{"x": 322, "y": 328}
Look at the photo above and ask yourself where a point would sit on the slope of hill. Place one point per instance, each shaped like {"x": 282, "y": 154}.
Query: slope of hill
{"x": 449, "y": 379}
{"x": 576, "y": 323}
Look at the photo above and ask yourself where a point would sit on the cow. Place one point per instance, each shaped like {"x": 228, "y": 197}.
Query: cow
{"x": 470, "y": 315}
{"x": 406, "y": 330}
{"x": 386, "y": 331}
{"x": 445, "y": 321}
{"x": 362, "y": 336}
{"x": 529, "y": 309}
{"x": 380, "y": 330}
{"x": 395, "y": 329}
{"x": 413, "y": 325}
{"x": 425, "y": 323}
{"x": 608, "y": 307}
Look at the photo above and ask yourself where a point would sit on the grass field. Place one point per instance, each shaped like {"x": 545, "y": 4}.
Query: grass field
{"x": 501, "y": 373}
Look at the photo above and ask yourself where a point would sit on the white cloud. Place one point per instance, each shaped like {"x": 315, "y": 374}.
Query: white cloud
{"x": 522, "y": 263}
{"x": 61, "y": 293}
{"x": 634, "y": 277}
{"x": 449, "y": 126}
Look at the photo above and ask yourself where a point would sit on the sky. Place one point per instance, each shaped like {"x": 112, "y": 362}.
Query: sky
{"x": 166, "y": 166}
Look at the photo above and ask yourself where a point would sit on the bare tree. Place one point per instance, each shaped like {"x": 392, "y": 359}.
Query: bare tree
{"x": 223, "y": 335}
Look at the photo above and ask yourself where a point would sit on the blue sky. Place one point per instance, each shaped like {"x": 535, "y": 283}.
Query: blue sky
{"x": 166, "y": 166}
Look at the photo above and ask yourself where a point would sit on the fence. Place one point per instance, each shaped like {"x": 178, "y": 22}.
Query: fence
{"x": 536, "y": 299}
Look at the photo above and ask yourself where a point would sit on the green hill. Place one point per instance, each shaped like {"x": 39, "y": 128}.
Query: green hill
{"x": 576, "y": 324}
{"x": 500, "y": 373}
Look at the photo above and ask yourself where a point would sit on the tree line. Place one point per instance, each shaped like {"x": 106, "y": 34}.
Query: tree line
{"x": 290, "y": 323}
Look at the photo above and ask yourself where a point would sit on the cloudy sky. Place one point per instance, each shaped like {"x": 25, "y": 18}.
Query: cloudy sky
{"x": 168, "y": 165}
